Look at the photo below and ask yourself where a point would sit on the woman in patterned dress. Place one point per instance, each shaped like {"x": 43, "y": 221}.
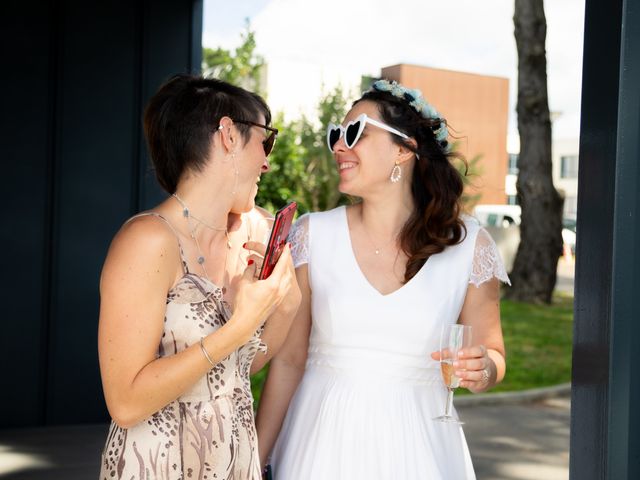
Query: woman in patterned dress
{"x": 183, "y": 320}
{"x": 353, "y": 393}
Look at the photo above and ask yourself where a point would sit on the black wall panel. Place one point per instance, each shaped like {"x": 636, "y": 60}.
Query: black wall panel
{"x": 26, "y": 156}
{"x": 93, "y": 195}
{"x": 77, "y": 77}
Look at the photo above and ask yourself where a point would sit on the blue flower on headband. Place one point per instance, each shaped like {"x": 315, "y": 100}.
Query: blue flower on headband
{"x": 415, "y": 100}
{"x": 382, "y": 86}
{"x": 442, "y": 133}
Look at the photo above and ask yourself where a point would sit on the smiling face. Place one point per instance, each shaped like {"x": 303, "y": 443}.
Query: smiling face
{"x": 366, "y": 167}
{"x": 250, "y": 162}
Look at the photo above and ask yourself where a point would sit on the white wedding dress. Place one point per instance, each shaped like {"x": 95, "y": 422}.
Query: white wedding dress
{"x": 364, "y": 407}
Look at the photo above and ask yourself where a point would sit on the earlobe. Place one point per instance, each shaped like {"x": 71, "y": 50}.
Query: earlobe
{"x": 404, "y": 155}
{"x": 226, "y": 133}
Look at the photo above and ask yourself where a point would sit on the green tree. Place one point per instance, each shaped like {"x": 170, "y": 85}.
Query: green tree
{"x": 302, "y": 168}
{"x": 242, "y": 67}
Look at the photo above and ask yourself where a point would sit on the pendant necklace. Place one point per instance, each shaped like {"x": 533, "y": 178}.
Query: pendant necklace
{"x": 377, "y": 249}
{"x": 186, "y": 213}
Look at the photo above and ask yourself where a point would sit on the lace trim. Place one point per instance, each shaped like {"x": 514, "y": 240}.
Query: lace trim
{"x": 487, "y": 262}
{"x": 299, "y": 238}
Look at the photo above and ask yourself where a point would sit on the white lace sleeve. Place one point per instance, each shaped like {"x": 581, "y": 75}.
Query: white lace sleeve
{"x": 487, "y": 262}
{"x": 299, "y": 238}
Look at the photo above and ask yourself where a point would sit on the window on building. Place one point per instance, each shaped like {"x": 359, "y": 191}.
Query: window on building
{"x": 513, "y": 164}
{"x": 569, "y": 166}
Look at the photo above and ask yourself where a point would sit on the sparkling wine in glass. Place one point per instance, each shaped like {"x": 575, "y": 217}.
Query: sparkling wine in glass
{"x": 453, "y": 338}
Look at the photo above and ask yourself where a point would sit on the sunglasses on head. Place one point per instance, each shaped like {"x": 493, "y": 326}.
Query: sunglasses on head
{"x": 353, "y": 130}
{"x": 269, "y": 142}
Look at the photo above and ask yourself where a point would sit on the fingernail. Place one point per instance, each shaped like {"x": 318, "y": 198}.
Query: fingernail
{"x": 250, "y": 262}
{"x": 456, "y": 364}
{"x": 244, "y": 245}
{"x": 458, "y": 373}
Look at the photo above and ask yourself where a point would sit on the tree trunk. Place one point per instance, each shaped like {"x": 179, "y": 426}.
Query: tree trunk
{"x": 533, "y": 276}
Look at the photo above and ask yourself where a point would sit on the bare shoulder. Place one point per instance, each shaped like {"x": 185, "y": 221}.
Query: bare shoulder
{"x": 145, "y": 245}
{"x": 150, "y": 232}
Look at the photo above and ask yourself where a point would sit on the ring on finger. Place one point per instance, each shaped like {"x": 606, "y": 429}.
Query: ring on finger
{"x": 485, "y": 376}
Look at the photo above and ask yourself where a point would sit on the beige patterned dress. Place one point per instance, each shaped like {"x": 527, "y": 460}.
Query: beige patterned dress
{"x": 208, "y": 432}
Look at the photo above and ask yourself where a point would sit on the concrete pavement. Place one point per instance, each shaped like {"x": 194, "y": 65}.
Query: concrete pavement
{"x": 507, "y": 442}
{"x": 519, "y": 441}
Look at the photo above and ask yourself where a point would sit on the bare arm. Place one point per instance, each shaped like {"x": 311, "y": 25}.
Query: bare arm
{"x": 277, "y": 325}
{"x": 481, "y": 310}
{"x": 274, "y": 335}
{"x": 138, "y": 272}
{"x": 285, "y": 372}
{"x": 483, "y": 365}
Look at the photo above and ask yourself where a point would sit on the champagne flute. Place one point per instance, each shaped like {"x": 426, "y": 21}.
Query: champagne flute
{"x": 453, "y": 338}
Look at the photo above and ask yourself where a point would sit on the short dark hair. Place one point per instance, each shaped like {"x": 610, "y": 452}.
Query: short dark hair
{"x": 182, "y": 116}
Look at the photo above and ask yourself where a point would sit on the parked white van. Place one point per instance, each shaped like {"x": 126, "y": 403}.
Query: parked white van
{"x": 503, "y": 224}
{"x": 498, "y": 215}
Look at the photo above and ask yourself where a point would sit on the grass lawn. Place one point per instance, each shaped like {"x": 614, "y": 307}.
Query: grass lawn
{"x": 538, "y": 343}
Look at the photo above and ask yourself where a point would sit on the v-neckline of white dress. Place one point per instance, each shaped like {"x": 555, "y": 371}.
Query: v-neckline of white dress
{"x": 368, "y": 284}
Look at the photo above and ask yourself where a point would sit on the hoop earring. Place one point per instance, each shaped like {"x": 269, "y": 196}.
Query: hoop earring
{"x": 396, "y": 173}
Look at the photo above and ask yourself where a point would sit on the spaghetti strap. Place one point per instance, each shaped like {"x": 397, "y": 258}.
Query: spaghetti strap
{"x": 154, "y": 214}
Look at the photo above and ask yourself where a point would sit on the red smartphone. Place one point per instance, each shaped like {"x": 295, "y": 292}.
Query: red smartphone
{"x": 277, "y": 239}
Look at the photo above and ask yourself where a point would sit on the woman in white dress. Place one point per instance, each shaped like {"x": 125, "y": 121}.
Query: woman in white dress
{"x": 353, "y": 393}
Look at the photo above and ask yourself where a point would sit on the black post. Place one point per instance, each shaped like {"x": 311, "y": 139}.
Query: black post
{"x": 604, "y": 424}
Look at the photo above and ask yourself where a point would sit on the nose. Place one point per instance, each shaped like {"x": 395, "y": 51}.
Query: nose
{"x": 340, "y": 146}
{"x": 265, "y": 166}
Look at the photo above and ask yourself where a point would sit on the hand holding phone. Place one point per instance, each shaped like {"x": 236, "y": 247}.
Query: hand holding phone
{"x": 277, "y": 239}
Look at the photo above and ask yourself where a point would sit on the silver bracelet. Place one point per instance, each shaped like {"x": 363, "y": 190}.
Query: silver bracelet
{"x": 204, "y": 351}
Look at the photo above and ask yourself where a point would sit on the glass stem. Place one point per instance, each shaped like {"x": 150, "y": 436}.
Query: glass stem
{"x": 447, "y": 410}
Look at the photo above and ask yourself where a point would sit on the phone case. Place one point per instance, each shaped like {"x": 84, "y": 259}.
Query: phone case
{"x": 277, "y": 239}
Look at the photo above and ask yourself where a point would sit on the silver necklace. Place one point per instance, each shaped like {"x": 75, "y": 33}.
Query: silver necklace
{"x": 186, "y": 213}
{"x": 376, "y": 249}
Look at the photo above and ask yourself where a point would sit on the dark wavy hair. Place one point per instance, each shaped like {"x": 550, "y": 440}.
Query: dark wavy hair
{"x": 436, "y": 184}
{"x": 182, "y": 116}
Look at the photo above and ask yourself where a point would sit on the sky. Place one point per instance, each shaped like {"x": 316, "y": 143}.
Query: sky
{"x": 311, "y": 46}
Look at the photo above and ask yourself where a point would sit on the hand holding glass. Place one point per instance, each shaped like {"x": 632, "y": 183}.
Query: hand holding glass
{"x": 453, "y": 338}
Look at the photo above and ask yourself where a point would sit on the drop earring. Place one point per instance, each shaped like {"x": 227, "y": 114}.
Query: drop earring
{"x": 396, "y": 173}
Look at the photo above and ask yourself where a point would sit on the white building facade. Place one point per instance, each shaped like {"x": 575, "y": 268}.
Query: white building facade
{"x": 564, "y": 160}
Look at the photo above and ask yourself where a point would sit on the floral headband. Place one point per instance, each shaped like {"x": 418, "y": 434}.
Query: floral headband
{"x": 418, "y": 103}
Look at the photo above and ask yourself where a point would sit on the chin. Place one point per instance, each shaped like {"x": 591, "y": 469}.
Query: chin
{"x": 347, "y": 189}
{"x": 247, "y": 206}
